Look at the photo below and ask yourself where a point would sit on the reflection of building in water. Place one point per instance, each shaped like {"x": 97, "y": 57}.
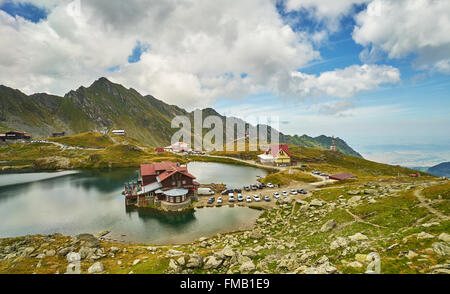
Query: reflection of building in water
{"x": 167, "y": 186}
{"x": 177, "y": 220}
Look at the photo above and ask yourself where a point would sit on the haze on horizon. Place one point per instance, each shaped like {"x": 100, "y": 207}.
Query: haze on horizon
{"x": 373, "y": 72}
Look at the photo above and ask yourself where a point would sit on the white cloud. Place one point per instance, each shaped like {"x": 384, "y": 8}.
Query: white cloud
{"x": 345, "y": 82}
{"x": 404, "y": 27}
{"x": 328, "y": 11}
{"x": 197, "y": 51}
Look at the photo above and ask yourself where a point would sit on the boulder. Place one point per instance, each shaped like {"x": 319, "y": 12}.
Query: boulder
{"x": 50, "y": 252}
{"x": 247, "y": 267}
{"x": 114, "y": 250}
{"x": 212, "y": 263}
{"x": 227, "y": 251}
{"x": 316, "y": 202}
{"x": 444, "y": 237}
{"x": 411, "y": 254}
{"x": 338, "y": 243}
{"x": 355, "y": 264}
{"x": 441, "y": 249}
{"x": 328, "y": 226}
{"x": 173, "y": 252}
{"x": 181, "y": 261}
{"x": 424, "y": 235}
{"x": 28, "y": 251}
{"x": 195, "y": 261}
{"x": 88, "y": 240}
{"x": 173, "y": 265}
{"x": 358, "y": 237}
{"x": 96, "y": 268}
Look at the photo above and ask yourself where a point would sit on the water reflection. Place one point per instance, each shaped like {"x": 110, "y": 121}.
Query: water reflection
{"x": 91, "y": 201}
{"x": 175, "y": 220}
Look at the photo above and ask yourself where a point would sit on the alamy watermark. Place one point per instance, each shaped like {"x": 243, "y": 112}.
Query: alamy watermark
{"x": 211, "y": 132}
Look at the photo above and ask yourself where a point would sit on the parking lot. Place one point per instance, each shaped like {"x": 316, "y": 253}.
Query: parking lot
{"x": 203, "y": 200}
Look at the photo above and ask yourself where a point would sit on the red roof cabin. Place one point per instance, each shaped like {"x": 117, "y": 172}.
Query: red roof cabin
{"x": 167, "y": 184}
{"x": 159, "y": 149}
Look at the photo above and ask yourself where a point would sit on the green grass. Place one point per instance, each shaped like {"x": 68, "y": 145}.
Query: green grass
{"x": 90, "y": 139}
{"x": 284, "y": 178}
{"x": 434, "y": 192}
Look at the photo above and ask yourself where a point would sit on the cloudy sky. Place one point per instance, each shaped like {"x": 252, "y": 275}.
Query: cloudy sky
{"x": 373, "y": 72}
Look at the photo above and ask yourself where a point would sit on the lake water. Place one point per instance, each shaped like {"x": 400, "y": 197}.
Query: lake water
{"x": 234, "y": 176}
{"x": 90, "y": 201}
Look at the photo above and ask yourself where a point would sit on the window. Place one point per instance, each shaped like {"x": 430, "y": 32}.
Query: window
{"x": 184, "y": 182}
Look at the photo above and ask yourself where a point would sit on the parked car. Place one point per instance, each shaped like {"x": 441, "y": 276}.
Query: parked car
{"x": 240, "y": 198}
{"x": 205, "y": 191}
{"x": 269, "y": 185}
{"x": 302, "y": 191}
{"x": 231, "y": 194}
{"x": 293, "y": 192}
{"x": 227, "y": 191}
{"x": 219, "y": 200}
{"x": 260, "y": 186}
{"x": 266, "y": 198}
{"x": 276, "y": 195}
{"x": 248, "y": 199}
{"x": 254, "y": 187}
{"x": 231, "y": 198}
{"x": 237, "y": 191}
{"x": 211, "y": 200}
{"x": 256, "y": 197}
{"x": 247, "y": 188}
{"x": 284, "y": 193}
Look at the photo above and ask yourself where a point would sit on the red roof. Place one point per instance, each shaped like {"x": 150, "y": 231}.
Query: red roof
{"x": 168, "y": 173}
{"x": 275, "y": 149}
{"x": 151, "y": 168}
{"x": 342, "y": 176}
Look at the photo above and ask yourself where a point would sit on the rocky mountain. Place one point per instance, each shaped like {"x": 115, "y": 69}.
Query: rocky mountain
{"x": 105, "y": 105}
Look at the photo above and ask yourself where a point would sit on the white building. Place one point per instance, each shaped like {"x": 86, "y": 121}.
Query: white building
{"x": 178, "y": 147}
{"x": 118, "y": 132}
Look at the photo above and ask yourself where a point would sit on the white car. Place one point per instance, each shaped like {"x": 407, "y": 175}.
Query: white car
{"x": 219, "y": 200}
{"x": 276, "y": 195}
{"x": 293, "y": 192}
{"x": 284, "y": 193}
{"x": 257, "y": 198}
{"x": 248, "y": 199}
{"x": 231, "y": 195}
{"x": 269, "y": 185}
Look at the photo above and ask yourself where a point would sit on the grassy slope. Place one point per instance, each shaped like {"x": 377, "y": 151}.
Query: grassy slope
{"x": 90, "y": 139}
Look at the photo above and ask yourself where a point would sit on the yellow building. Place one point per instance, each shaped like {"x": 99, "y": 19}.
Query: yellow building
{"x": 277, "y": 155}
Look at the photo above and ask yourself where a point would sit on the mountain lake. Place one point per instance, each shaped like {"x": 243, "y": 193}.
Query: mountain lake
{"x": 89, "y": 201}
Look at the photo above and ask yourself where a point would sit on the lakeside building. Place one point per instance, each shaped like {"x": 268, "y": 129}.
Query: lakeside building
{"x": 167, "y": 186}
{"x": 276, "y": 155}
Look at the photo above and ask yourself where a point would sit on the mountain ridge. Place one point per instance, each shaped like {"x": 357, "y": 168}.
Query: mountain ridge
{"x": 105, "y": 105}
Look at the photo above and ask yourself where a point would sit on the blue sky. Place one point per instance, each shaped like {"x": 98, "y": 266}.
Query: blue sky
{"x": 373, "y": 72}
